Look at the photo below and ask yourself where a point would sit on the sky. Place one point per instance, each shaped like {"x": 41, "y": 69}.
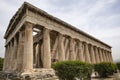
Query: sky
{"x": 99, "y": 18}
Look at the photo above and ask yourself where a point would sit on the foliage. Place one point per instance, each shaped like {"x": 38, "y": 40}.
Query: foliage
{"x": 118, "y": 65}
{"x": 69, "y": 70}
{"x": 105, "y": 69}
{"x": 1, "y": 63}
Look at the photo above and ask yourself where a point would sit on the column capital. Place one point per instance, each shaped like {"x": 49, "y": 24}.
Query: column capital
{"x": 28, "y": 24}
{"x": 90, "y": 44}
{"x": 95, "y": 46}
{"x": 67, "y": 36}
{"x": 44, "y": 28}
{"x": 84, "y": 42}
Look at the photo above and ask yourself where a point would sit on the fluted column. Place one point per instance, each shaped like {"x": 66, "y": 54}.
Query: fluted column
{"x": 92, "y": 54}
{"x": 37, "y": 55}
{"x": 34, "y": 55}
{"x": 80, "y": 52}
{"x": 86, "y": 52}
{"x": 109, "y": 56}
{"x": 28, "y": 49}
{"x": 5, "y": 60}
{"x": 105, "y": 55}
{"x": 111, "y": 59}
{"x": 72, "y": 52}
{"x": 20, "y": 51}
{"x": 54, "y": 52}
{"x": 96, "y": 55}
{"x": 101, "y": 55}
{"x": 66, "y": 49}
{"x": 15, "y": 53}
{"x": 103, "y": 52}
{"x": 10, "y": 56}
{"x": 61, "y": 51}
{"x": 46, "y": 49}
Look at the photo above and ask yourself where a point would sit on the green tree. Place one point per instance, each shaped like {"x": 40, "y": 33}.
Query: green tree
{"x": 69, "y": 70}
{"x": 118, "y": 65}
{"x": 1, "y": 63}
{"x": 105, "y": 69}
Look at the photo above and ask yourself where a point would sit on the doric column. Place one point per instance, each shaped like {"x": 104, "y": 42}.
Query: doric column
{"x": 111, "y": 59}
{"x": 5, "y": 60}
{"x": 92, "y": 54}
{"x": 61, "y": 51}
{"x": 66, "y": 49}
{"x": 72, "y": 52}
{"x": 86, "y": 52}
{"x": 41, "y": 55}
{"x": 15, "y": 54}
{"x": 96, "y": 55}
{"x": 67, "y": 53}
{"x": 80, "y": 51}
{"x": 105, "y": 55}
{"x": 10, "y": 56}
{"x": 103, "y": 52}
{"x": 109, "y": 56}
{"x": 28, "y": 48}
{"x": 101, "y": 55}
{"x": 20, "y": 51}
{"x": 34, "y": 55}
{"x": 46, "y": 49}
{"x": 54, "y": 52}
{"x": 37, "y": 54}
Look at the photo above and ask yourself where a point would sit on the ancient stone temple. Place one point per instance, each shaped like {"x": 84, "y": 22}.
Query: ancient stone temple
{"x": 36, "y": 39}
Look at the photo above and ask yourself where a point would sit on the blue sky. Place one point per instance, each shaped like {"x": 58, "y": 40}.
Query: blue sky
{"x": 99, "y": 18}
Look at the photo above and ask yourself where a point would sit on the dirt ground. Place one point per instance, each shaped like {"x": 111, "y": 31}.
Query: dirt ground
{"x": 116, "y": 76}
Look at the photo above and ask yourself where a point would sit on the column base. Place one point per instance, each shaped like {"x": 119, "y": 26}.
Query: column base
{"x": 37, "y": 74}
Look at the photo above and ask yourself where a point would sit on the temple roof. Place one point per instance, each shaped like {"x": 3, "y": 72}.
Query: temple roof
{"x": 26, "y": 6}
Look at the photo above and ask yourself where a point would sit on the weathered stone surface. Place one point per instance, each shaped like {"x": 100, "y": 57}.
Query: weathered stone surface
{"x": 38, "y": 74}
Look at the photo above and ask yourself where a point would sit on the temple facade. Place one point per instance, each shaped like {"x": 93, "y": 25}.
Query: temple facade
{"x": 36, "y": 39}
